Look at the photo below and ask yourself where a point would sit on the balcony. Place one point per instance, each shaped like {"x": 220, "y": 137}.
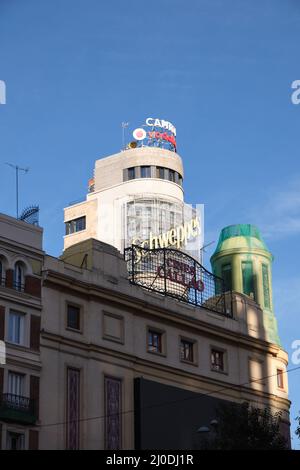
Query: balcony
{"x": 16, "y": 285}
{"x": 17, "y": 409}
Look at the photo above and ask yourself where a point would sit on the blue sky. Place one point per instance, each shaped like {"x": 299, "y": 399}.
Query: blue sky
{"x": 221, "y": 71}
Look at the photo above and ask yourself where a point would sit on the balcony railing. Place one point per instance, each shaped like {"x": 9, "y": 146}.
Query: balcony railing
{"x": 17, "y": 408}
{"x": 18, "y": 286}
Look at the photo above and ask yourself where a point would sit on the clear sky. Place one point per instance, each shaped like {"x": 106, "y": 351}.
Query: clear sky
{"x": 220, "y": 70}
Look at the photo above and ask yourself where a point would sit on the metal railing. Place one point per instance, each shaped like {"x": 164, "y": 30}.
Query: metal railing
{"x": 19, "y": 286}
{"x": 176, "y": 274}
{"x": 17, "y": 403}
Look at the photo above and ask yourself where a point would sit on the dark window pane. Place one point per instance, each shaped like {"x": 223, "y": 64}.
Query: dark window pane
{"x": 217, "y": 360}
{"x": 145, "y": 172}
{"x": 160, "y": 172}
{"x": 75, "y": 225}
{"x": 227, "y": 277}
{"x": 187, "y": 351}
{"x": 172, "y": 176}
{"x": 154, "y": 341}
{"x": 248, "y": 278}
{"x": 73, "y": 320}
{"x": 279, "y": 378}
{"x": 131, "y": 173}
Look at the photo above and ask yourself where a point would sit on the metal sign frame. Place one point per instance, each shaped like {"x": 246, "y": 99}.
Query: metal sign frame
{"x": 176, "y": 274}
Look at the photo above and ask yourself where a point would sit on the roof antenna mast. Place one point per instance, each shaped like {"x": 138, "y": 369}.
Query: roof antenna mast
{"x": 17, "y": 169}
{"x": 124, "y": 126}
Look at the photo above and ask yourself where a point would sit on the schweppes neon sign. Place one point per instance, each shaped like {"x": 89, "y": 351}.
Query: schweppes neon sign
{"x": 175, "y": 237}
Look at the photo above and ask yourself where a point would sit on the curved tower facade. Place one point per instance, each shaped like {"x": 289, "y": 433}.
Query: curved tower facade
{"x": 136, "y": 197}
{"x": 245, "y": 263}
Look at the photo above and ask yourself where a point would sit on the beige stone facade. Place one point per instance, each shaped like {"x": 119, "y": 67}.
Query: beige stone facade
{"x": 115, "y": 318}
{"x": 21, "y": 261}
{"x": 92, "y": 349}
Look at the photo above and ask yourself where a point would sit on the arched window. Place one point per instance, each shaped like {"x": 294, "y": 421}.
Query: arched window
{"x": 19, "y": 276}
{"x": 3, "y": 265}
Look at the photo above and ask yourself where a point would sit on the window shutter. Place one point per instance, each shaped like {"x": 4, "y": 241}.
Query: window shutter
{"x": 35, "y": 329}
{"x": 33, "y": 440}
{"x": 33, "y": 286}
{"x": 35, "y": 393}
{"x": 9, "y": 278}
{"x": 2, "y": 322}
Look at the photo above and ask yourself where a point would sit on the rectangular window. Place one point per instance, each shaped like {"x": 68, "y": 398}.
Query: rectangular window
{"x": 180, "y": 180}
{"x": 248, "y": 279}
{"x": 113, "y": 413}
{"x": 73, "y": 408}
{"x": 131, "y": 173}
{"x": 160, "y": 172}
{"x": 73, "y": 317}
{"x": 186, "y": 350}
{"x": 266, "y": 285}
{"x": 280, "y": 378}
{"x": 154, "y": 341}
{"x": 16, "y": 327}
{"x": 15, "y": 441}
{"x": 217, "y": 360}
{"x": 227, "y": 276}
{"x": 76, "y": 225}
{"x": 145, "y": 172}
{"x": 16, "y": 384}
{"x": 172, "y": 176}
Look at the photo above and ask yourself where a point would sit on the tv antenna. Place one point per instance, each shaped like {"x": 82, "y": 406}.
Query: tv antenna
{"x": 124, "y": 127}
{"x": 17, "y": 169}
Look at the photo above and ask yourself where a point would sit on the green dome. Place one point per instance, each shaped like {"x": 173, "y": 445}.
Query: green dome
{"x": 240, "y": 236}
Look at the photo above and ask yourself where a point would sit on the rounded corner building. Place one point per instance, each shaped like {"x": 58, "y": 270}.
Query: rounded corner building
{"x": 121, "y": 338}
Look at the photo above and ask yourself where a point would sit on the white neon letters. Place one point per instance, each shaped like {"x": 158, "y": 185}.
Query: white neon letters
{"x": 161, "y": 123}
